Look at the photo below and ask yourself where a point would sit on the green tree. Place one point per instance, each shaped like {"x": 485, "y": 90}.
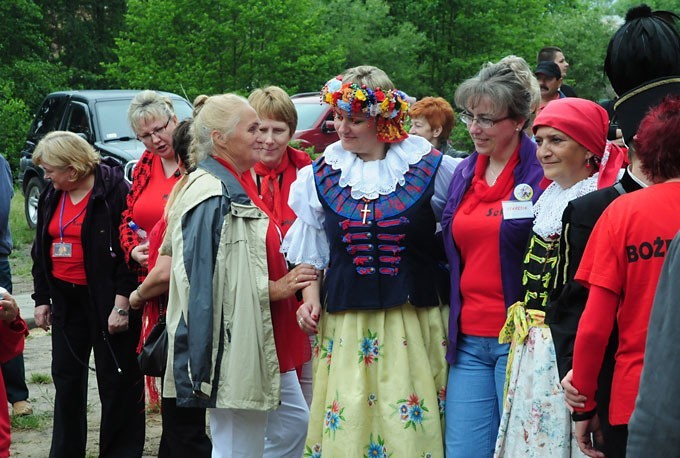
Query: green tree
{"x": 16, "y": 119}
{"x": 82, "y": 36}
{"x": 209, "y": 46}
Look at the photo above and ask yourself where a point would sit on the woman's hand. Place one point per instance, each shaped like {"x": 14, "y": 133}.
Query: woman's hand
{"x": 8, "y": 307}
{"x": 589, "y": 436}
{"x": 140, "y": 253}
{"x": 117, "y": 322}
{"x": 298, "y": 278}
{"x": 43, "y": 316}
{"x": 136, "y": 301}
{"x": 571, "y": 394}
{"x": 308, "y": 315}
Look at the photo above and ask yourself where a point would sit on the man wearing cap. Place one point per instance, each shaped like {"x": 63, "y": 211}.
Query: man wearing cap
{"x": 549, "y": 78}
{"x": 555, "y": 54}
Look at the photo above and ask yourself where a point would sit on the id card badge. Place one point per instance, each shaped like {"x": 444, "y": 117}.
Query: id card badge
{"x": 62, "y": 250}
{"x": 513, "y": 209}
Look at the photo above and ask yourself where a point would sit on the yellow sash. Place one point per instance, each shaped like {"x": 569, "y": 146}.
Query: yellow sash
{"x": 516, "y": 329}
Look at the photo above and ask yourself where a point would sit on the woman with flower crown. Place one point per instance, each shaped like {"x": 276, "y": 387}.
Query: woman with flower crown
{"x": 367, "y": 212}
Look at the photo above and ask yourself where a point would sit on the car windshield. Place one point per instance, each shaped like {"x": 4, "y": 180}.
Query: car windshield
{"x": 112, "y": 116}
{"x": 308, "y": 113}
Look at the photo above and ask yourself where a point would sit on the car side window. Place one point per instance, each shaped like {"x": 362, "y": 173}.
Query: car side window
{"x": 47, "y": 118}
{"x": 78, "y": 120}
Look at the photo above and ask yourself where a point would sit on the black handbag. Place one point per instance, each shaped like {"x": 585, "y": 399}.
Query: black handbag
{"x": 154, "y": 355}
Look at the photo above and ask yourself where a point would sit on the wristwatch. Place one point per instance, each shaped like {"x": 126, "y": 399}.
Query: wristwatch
{"x": 120, "y": 311}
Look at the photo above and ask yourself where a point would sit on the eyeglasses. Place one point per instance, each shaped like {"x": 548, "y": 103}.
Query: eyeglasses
{"x": 157, "y": 132}
{"x": 484, "y": 123}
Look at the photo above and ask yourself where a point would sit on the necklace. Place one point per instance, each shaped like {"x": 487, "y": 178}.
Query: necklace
{"x": 494, "y": 174}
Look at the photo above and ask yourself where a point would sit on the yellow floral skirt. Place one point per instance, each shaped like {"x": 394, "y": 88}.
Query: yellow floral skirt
{"x": 379, "y": 386}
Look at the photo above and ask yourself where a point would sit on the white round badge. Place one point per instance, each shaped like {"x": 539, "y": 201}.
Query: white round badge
{"x": 523, "y": 192}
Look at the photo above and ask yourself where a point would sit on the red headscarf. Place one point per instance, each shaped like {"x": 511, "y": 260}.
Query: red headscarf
{"x": 587, "y": 123}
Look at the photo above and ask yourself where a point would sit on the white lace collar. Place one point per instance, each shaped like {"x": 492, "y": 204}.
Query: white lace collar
{"x": 373, "y": 178}
{"x": 550, "y": 206}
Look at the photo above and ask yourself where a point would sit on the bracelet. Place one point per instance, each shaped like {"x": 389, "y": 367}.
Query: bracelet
{"x": 139, "y": 293}
{"x": 581, "y": 416}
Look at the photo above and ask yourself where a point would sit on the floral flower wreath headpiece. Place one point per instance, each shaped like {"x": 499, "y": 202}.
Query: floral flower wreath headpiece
{"x": 388, "y": 107}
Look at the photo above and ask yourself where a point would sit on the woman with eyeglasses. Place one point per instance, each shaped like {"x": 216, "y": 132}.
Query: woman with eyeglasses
{"x": 487, "y": 224}
{"x": 153, "y": 119}
{"x": 82, "y": 285}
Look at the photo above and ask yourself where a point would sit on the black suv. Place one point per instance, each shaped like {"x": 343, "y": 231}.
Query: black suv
{"x": 100, "y": 116}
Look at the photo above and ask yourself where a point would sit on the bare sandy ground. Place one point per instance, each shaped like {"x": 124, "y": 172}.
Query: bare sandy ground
{"x": 36, "y": 443}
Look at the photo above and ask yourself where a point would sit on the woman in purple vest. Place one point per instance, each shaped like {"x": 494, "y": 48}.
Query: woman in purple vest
{"x": 367, "y": 214}
{"x": 486, "y": 226}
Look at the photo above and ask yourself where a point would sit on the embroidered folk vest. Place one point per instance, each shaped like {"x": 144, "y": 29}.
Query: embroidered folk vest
{"x": 383, "y": 252}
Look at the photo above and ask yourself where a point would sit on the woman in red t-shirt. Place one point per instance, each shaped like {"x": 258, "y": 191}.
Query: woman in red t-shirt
{"x": 621, "y": 266}
{"x": 82, "y": 284}
{"x": 153, "y": 119}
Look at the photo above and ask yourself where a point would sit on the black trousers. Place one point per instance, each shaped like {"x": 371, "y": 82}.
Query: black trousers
{"x": 76, "y": 332}
{"x": 183, "y": 432}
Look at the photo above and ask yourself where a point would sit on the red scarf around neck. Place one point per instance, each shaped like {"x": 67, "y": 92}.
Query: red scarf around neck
{"x": 480, "y": 191}
{"x": 274, "y": 191}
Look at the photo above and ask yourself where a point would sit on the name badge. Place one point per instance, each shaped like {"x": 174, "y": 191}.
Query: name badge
{"x": 62, "y": 250}
{"x": 513, "y": 209}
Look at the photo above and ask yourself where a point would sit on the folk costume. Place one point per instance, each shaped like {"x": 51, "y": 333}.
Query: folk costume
{"x": 535, "y": 421}
{"x": 379, "y": 357}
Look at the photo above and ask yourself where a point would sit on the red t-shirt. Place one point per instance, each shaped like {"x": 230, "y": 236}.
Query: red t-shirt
{"x": 149, "y": 207}
{"x": 624, "y": 255}
{"x": 70, "y": 266}
{"x": 477, "y": 236}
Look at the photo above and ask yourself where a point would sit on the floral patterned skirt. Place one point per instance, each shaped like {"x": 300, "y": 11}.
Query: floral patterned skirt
{"x": 535, "y": 421}
{"x": 379, "y": 384}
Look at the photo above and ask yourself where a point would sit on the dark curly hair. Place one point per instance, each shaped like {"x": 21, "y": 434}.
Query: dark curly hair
{"x": 657, "y": 142}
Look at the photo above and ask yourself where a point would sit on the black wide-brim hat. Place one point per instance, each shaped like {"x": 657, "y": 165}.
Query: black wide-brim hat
{"x": 632, "y": 106}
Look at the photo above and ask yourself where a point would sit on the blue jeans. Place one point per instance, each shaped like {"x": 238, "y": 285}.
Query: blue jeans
{"x": 474, "y": 397}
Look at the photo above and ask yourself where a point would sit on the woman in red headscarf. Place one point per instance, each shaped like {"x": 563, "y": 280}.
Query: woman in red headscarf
{"x": 571, "y": 135}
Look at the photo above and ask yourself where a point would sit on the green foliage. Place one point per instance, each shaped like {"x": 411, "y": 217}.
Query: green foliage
{"x": 229, "y": 46}
{"x": 20, "y": 34}
{"x": 15, "y": 122}
{"x": 72, "y": 23}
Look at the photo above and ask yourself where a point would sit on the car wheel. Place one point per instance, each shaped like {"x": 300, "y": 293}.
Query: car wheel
{"x": 31, "y": 194}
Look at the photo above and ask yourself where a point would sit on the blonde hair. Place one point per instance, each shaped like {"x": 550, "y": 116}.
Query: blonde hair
{"x": 149, "y": 106}
{"x": 63, "y": 149}
{"x": 274, "y": 103}
{"x": 369, "y": 75}
{"x": 220, "y": 113}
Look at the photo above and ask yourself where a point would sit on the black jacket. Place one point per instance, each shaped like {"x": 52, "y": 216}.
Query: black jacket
{"x": 105, "y": 268}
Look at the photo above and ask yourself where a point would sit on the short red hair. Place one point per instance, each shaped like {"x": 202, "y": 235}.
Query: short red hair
{"x": 657, "y": 143}
{"x": 438, "y": 113}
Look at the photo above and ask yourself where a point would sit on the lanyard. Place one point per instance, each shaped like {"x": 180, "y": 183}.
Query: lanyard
{"x": 61, "y": 216}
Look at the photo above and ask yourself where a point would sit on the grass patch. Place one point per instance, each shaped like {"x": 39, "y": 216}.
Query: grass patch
{"x": 27, "y": 422}
{"x": 21, "y": 233}
{"x": 20, "y": 259}
{"x": 40, "y": 379}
